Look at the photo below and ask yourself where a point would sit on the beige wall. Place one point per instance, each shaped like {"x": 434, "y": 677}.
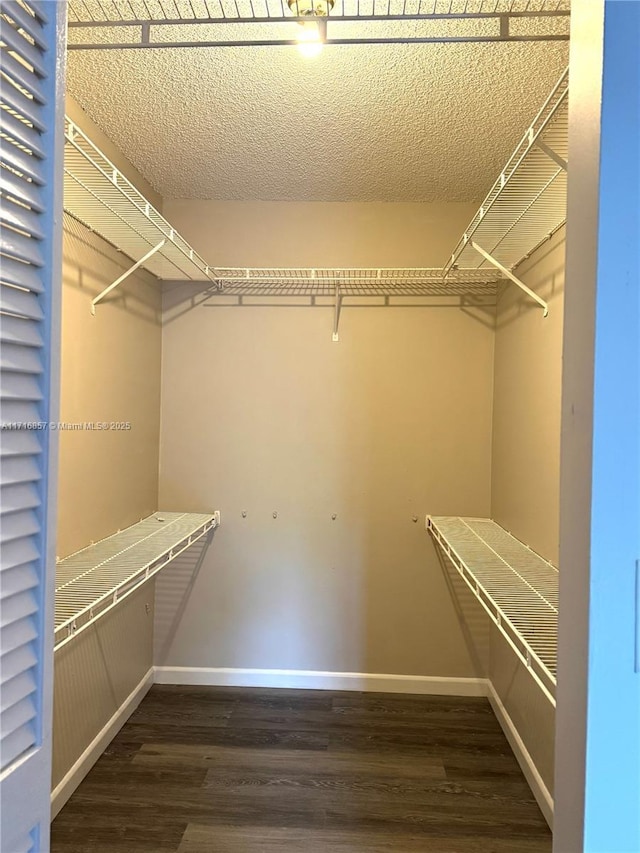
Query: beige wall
{"x": 263, "y": 413}
{"x": 324, "y": 234}
{"x": 110, "y": 373}
{"x": 95, "y": 673}
{"x": 107, "y": 480}
{"x": 525, "y": 471}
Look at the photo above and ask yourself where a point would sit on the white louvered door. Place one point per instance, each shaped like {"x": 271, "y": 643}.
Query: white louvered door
{"x": 31, "y": 95}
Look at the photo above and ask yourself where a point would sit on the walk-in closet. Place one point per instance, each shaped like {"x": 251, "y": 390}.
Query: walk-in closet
{"x": 312, "y": 520}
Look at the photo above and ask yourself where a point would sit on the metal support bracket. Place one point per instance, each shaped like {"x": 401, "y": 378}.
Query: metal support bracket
{"x": 552, "y": 154}
{"x": 513, "y": 278}
{"x": 336, "y": 314}
{"x": 124, "y": 276}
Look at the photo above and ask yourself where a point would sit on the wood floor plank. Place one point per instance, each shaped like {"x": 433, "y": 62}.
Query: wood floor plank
{"x": 258, "y": 738}
{"x": 249, "y": 839}
{"x": 231, "y": 770}
{"x": 275, "y": 762}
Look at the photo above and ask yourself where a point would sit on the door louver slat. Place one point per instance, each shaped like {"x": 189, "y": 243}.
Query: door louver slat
{"x": 18, "y": 275}
{"x": 19, "y": 302}
{"x": 16, "y": 497}
{"x": 20, "y": 359}
{"x": 21, "y": 524}
{"x": 16, "y": 42}
{"x": 19, "y": 386}
{"x": 22, "y": 134}
{"x": 21, "y": 248}
{"x": 16, "y": 187}
{"x": 21, "y": 161}
{"x": 18, "y": 217}
{"x": 19, "y": 442}
{"x": 21, "y": 469}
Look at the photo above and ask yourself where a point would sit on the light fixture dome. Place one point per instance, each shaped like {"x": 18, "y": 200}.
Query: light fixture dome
{"x": 310, "y": 8}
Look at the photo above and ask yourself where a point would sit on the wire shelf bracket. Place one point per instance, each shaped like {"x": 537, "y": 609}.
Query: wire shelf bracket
{"x": 552, "y": 154}
{"x": 514, "y": 278}
{"x": 336, "y": 314}
{"x": 98, "y": 195}
{"x": 514, "y": 585}
{"x": 125, "y": 275}
{"x": 93, "y": 581}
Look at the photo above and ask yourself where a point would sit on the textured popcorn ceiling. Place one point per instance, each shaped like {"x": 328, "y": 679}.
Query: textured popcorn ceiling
{"x": 358, "y": 123}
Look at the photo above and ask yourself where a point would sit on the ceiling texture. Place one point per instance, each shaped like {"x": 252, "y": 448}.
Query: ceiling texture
{"x": 363, "y": 122}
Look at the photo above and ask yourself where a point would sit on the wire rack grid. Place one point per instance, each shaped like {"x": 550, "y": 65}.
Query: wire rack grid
{"x": 96, "y": 11}
{"x": 117, "y": 24}
{"x": 517, "y": 588}
{"x": 93, "y": 580}
{"x": 355, "y": 282}
{"x": 100, "y": 196}
{"x": 528, "y": 201}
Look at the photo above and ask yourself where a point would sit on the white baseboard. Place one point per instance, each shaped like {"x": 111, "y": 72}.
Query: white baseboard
{"x": 313, "y": 679}
{"x": 535, "y": 780}
{"x": 65, "y": 788}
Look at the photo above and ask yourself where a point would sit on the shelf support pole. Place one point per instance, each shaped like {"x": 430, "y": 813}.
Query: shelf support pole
{"x": 125, "y": 275}
{"x": 513, "y": 278}
{"x": 336, "y": 314}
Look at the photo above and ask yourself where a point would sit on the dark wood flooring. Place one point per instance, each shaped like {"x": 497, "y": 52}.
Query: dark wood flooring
{"x": 231, "y": 770}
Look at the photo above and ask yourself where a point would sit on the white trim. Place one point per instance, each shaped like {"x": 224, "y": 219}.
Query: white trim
{"x": 68, "y": 784}
{"x": 527, "y": 765}
{"x": 313, "y": 679}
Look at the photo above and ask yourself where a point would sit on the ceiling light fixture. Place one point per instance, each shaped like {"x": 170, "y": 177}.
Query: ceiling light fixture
{"x": 311, "y": 32}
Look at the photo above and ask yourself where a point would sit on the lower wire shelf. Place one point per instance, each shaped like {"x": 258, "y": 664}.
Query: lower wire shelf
{"x": 516, "y": 587}
{"x": 92, "y": 581}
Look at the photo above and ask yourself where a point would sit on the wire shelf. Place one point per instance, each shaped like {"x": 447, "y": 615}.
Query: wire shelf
{"x": 97, "y": 11}
{"x": 109, "y": 24}
{"x": 97, "y": 194}
{"x": 355, "y": 282}
{"x": 528, "y": 201}
{"x": 517, "y": 588}
{"x": 92, "y": 581}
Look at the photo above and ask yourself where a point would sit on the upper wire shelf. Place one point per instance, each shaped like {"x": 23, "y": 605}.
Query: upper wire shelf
{"x": 528, "y": 201}
{"x": 92, "y": 581}
{"x": 96, "y": 11}
{"x": 109, "y": 24}
{"x": 516, "y": 586}
{"x": 97, "y": 194}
